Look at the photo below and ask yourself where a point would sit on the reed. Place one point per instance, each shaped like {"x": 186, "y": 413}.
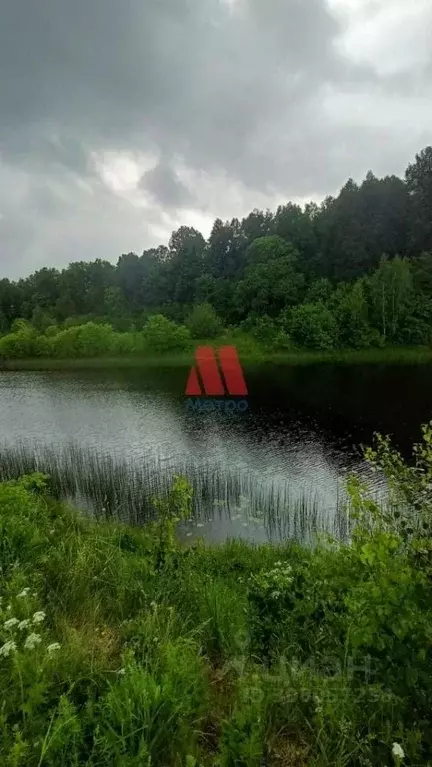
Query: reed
{"x": 123, "y": 490}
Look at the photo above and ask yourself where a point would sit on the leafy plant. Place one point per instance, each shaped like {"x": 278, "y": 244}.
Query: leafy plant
{"x": 171, "y": 510}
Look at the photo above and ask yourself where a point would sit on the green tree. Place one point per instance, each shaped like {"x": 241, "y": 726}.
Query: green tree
{"x": 114, "y": 302}
{"x": 391, "y": 289}
{"x": 203, "y": 322}
{"x": 297, "y": 227}
{"x": 270, "y": 286}
{"x": 41, "y": 320}
{"x": 186, "y": 262}
{"x": 350, "y": 307}
{"x": 224, "y": 254}
{"x": 320, "y": 290}
{"x": 419, "y": 184}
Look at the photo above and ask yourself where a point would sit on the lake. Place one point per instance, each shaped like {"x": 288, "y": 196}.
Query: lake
{"x": 113, "y": 438}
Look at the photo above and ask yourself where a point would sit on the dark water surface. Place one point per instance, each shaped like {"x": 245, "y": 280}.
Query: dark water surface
{"x": 302, "y": 433}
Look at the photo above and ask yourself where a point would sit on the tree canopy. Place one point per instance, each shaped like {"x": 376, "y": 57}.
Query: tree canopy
{"x": 364, "y": 255}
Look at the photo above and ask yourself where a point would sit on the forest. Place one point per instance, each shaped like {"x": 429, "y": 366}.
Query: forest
{"x": 353, "y": 272}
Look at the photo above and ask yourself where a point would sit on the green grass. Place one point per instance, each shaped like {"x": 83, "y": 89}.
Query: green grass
{"x": 229, "y": 655}
{"x": 251, "y": 353}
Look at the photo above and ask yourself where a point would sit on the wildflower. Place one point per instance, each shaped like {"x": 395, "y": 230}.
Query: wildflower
{"x": 39, "y": 617}
{"x": 121, "y": 671}
{"x": 32, "y": 641}
{"x": 53, "y": 647}
{"x": 7, "y": 648}
{"x": 398, "y": 752}
{"x": 11, "y": 622}
{"x": 24, "y": 624}
{"x": 24, "y": 592}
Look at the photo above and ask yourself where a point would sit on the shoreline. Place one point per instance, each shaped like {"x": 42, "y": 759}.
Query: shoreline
{"x": 388, "y": 356}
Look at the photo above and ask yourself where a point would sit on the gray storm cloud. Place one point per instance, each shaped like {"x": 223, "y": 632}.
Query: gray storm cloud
{"x": 260, "y": 95}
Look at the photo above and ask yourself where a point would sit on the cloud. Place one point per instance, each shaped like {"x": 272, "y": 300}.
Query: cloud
{"x": 122, "y": 120}
{"x": 163, "y": 183}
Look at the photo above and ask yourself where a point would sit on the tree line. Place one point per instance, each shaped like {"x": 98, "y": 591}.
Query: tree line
{"x": 354, "y": 271}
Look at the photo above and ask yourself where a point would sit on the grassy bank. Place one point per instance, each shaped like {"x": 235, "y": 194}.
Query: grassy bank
{"x": 120, "y": 646}
{"x": 249, "y": 355}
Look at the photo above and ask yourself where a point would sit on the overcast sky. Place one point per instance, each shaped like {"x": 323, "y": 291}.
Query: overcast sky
{"x": 122, "y": 119}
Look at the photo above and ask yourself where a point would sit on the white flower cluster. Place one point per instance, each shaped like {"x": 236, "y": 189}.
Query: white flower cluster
{"x": 398, "y": 752}
{"x": 10, "y": 623}
{"x": 275, "y": 582}
{"x": 32, "y": 640}
{"x": 7, "y": 648}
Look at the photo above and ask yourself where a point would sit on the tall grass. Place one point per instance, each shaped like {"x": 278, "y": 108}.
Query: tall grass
{"x": 124, "y": 490}
{"x": 250, "y": 352}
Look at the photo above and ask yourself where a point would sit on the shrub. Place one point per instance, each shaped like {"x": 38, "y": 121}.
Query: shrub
{"x": 21, "y": 343}
{"x": 52, "y": 330}
{"x": 313, "y": 326}
{"x": 21, "y": 324}
{"x": 282, "y": 341}
{"x": 203, "y": 322}
{"x": 162, "y": 335}
{"x": 263, "y": 329}
{"x": 88, "y": 340}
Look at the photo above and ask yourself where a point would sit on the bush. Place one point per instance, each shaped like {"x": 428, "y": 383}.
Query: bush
{"x": 203, "y": 322}
{"x": 22, "y": 343}
{"x": 89, "y": 340}
{"x": 162, "y": 335}
{"x": 52, "y": 330}
{"x": 263, "y": 329}
{"x": 282, "y": 342}
{"x": 313, "y": 326}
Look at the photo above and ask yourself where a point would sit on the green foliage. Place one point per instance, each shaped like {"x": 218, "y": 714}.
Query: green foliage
{"x": 242, "y": 738}
{"x": 23, "y": 342}
{"x": 119, "y": 645}
{"x": 263, "y": 328}
{"x": 391, "y": 295}
{"x": 203, "y": 322}
{"x": 350, "y": 307}
{"x": 161, "y": 335}
{"x": 170, "y": 511}
{"x": 41, "y": 320}
{"x": 88, "y": 340}
{"x": 269, "y": 286}
{"x": 153, "y": 716}
{"x": 313, "y": 326}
